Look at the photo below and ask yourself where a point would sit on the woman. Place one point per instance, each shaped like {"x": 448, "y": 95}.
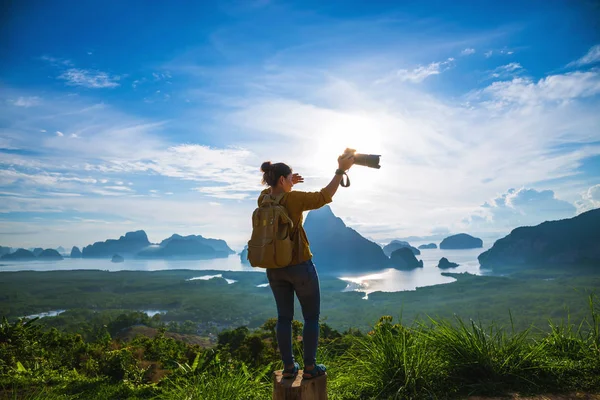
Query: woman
{"x": 300, "y": 276}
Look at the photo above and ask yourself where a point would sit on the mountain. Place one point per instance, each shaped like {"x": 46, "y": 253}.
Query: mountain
{"x": 219, "y": 245}
{"x": 131, "y": 243}
{"x": 244, "y": 256}
{"x": 37, "y": 251}
{"x": 337, "y": 248}
{"x": 19, "y": 255}
{"x": 75, "y": 252}
{"x": 404, "y": 259}
{"x": 192, "y": 246}
{"x": 398, "y": 244}
{"x": 117, "y": 259}
{"x": 574, "y": 241}
{"x": 178, "y": 248}
{"x": 428, "y": 246}
{"x": 445, "y": 264}
{"x": 4, "y": 250}
{"x": 50, "y": 254}
{"x": 461, "y": 241}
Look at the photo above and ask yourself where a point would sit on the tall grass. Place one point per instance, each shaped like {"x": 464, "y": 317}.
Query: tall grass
{"x": 445, "y": 359}
{"x": 486, "y": 361}
{"x": 393, "y": 361}
{"x": 210, "y": 378}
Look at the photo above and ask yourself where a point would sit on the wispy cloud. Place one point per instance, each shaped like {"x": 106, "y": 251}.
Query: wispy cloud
{"x": 591, "y": 57}
{"x": 57, "y": 62}
{"x": 468, "y": 51}
{"x": 26, "y": 101}
{"x": 420, "y": 73}
{"x": 89, "y": 78}
{"x": 507, "y": 70}
{"x": 60, "y": 134}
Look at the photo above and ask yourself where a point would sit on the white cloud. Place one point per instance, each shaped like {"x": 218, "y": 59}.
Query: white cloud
{"x": 592, "y": 57}
{"x": 590, "y": 199}
{"x": 522, "y": 207}
{"x": 557, "y": 88}
{"x": 74, "y": 135}
{"x": 60, "y": 134}
{"x": 26, "y": 101}
{"x": 488, "y": 54}
{"x": 420, "y": 73}
{"x": 43, "y": 130}
{"x": 119, "y": 188}
{"x": 89, "y": 78}
{"x": 467, "y": 52}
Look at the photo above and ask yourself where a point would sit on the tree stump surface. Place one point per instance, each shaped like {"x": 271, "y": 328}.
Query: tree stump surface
{"x": 299, "y": 388}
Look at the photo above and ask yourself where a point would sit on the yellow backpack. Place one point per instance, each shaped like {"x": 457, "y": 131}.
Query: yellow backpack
{"x": 270, "y": 245}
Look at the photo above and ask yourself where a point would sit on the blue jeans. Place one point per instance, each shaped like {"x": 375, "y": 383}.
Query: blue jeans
{"x": 303, "y": 279}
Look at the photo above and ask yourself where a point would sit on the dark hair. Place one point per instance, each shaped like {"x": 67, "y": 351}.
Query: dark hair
{"x": 272, "y": 172}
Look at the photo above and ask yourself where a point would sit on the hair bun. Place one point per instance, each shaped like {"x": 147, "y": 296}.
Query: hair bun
{"x": 266, "y": 166}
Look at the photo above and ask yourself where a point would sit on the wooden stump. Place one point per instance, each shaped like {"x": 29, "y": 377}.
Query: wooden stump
{"x": 299, "y": 389}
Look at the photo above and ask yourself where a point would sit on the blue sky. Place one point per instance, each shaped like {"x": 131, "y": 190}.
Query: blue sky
{"x": 146, "y": 115}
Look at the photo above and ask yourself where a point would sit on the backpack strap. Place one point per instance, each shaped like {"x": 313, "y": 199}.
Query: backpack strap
{"x": 275, "y": 200}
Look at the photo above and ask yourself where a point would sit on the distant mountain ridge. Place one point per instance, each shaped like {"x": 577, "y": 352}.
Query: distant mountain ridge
{"x": 461, "y": 241}
{"x": 338, "y": 248}
{"x": 27, "y": 255}
{"x": 131, "y": 243}
{"x": 136, "y": 245}
{"x": 568, "y": 242}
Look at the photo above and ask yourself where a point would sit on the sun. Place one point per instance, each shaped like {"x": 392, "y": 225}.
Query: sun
{"x": 348, "y": 131}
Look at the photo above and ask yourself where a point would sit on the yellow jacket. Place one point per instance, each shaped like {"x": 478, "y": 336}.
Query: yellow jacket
{"x": 296, "y": 202}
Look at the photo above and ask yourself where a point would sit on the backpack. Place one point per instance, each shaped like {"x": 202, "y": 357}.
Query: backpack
{"x": 270, "y": 245}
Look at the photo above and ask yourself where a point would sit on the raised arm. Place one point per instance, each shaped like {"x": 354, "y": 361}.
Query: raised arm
{"x": 344, "y": 164}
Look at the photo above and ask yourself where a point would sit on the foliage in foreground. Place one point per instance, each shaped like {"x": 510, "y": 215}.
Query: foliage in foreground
{"x": 435, "y": 358}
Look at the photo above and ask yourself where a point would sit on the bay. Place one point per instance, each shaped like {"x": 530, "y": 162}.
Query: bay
{"x": 385, "y": 280}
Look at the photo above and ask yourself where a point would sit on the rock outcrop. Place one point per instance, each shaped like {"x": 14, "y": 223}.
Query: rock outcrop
{"x": 428, "y": 246}
{"x": 131, "y": 243}
{"x": 461, "y": 241}
{"x": 244, "y": 256}
{"x": 398, "y": 244}
{"x": 404, "y": 259}
{"x": 117, "y": 259}
{"x": 445, "y": 264}
{"x": 568, "y": 242}
{"x": 75, "y": 252}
